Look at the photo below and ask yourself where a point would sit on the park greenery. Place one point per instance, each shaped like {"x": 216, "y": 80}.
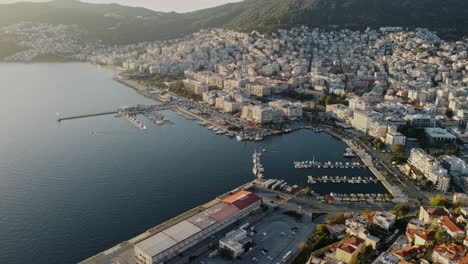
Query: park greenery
{"x": 319, "y": 239}
{"x": 378, "y": 144}
{"x": 299, "y": 96}
{"x": 152, "y": 80}
{"x": 400, "y": 210}
{"x": 399, "y": 156}
{"x": 439, "y": 200}
{"x": 337, "y": 218}
{"x": 330, "y": 99}
{"x": 440, "y": 236}
{"x": 179, "y": 89}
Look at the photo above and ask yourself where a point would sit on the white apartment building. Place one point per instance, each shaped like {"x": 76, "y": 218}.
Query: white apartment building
{"x": 461, "y": 198}
{"x": 384, "y": 219}
{"x": 378, "y": 130}
{"x": 458, "y": 169}
{"x": 363, "y": 119}
{"x": 339, "y": 111}
{"x": 257, "y": 113}
{"x": 287, "y": 108}
{"x": 430, "y": 168}
{"x": 394, "y": 137}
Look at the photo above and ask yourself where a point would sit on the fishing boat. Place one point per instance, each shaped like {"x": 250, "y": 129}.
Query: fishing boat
{"x": 349, "y": 153}
{"x": 258, "y": 137}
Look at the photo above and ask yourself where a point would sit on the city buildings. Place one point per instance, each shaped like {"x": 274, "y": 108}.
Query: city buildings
{"x": 431, "y": 215}
{"x": 451, "y": 228}
{"x": 460, "y": 198}
{"x": 235, "y": 242}
{"x": 384, "y": 220}
{"x": 349, "y": 249}
{"x": 458, "y": 169}
{"x": 430, "y": 168}
{"x": 439, "y": 135}
{"x": 363, "y": 119}
{"x": 450, "y": 254}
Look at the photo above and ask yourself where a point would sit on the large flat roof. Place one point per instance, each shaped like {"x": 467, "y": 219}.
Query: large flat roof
{"x": 156, "y": 244}
{"x": 202, "y": 220}
{"x": 182, "y": 230}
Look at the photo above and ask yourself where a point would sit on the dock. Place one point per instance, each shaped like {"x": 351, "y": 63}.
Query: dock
{"x": 328, "y": 165}
{"x": 344, "y": 179}
{"x": 132, "y": 110}
{"x": 60, "y": 119}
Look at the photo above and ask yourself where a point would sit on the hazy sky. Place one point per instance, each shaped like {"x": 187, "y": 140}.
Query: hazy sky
{"x": 159, "y": 5}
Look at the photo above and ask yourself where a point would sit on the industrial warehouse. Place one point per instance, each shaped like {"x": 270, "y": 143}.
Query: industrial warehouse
{"x": 187, "y": 232}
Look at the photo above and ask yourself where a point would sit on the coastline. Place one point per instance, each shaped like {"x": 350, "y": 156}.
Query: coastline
{"x": 125, "y": 247}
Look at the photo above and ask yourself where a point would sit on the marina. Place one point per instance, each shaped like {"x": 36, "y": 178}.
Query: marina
{"x": 341, "y": 179}
{"x": 328, "y": 165}
{"x": 135, "y": 121}
{"x": 157, "y": 118}
{"x": 114, "y": 176}
{"x": 258, "y": 169}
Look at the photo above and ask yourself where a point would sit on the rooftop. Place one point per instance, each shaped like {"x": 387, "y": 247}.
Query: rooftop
{"x": 449, "y": 224}
{"x": 156, "y": 244}
{"x": 242, "y": 199}
{"x": 438, "y": 132}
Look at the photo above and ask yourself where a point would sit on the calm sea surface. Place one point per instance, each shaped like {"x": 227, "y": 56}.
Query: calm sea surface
{"x": 71, "y": 190}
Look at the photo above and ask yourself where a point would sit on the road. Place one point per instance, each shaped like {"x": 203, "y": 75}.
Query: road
{"x": 382, "y": 162}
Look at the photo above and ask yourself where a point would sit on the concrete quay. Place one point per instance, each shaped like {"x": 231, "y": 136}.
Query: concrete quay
{"x": 398, "y": 195}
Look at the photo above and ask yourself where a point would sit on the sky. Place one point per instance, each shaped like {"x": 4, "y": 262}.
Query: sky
{"x": 158, "y": 5}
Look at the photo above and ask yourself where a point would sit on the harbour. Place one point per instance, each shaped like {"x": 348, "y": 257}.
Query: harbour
{"x": 328, "y": 165}
{"x": 115, "y": 179}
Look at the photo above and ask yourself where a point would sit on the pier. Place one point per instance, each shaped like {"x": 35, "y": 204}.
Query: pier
{"x": 344, "y": 179}
{"x": 132, "y": 110}
{"x": 328, "y": 165}
{"x": 60, "y": 119}
{"x": 367, "y": 159}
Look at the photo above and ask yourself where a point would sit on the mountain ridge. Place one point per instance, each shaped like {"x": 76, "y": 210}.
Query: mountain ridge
{"x": 117, "y": 24}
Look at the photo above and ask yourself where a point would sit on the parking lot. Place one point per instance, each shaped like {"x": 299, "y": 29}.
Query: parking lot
{"x": 276, "y": 234}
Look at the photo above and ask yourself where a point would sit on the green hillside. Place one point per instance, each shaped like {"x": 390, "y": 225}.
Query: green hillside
{"x": 117, "y": 24}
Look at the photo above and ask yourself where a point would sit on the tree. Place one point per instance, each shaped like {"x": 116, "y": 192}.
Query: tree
{"x": 441, "y": 236}
{"x": 426, "y": 184}
{"x": 454, "y": 152}
{"x": 438, "y": 152}
{"x": 400, "y": 158}
{"x": 377, "y": 144}
{"x": 400, "y": 210}
{"x": 302, "y": 246}
{"x": 398, "y": 149}
{"x": 338, "y": 218}
{"x": 449, "y": 113}
{"x": 439, "y": 200}
{"x": 322, "y": 229}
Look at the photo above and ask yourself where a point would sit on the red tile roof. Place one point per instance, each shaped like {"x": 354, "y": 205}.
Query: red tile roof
{"x": 242, "y": 199}
{"x": 426, "y": 234}
{"x": 408, "y": 252}
{"x": 449, "y": 224}
{"x": 347, "y": 248}
{"x": 350, "y": 244}
{"x": 224, "y": 213}
{"x": 454, "y": 252}
{"x": 436, "y": 211}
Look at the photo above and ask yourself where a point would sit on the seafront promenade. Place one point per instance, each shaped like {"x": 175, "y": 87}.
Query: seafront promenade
{"x": 398, "y": 195}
